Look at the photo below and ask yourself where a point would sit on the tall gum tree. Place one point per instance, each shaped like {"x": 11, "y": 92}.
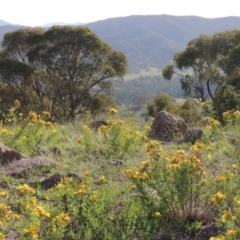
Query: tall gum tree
{"x": 71, "y": 66}
{"x": 197, "y": 69}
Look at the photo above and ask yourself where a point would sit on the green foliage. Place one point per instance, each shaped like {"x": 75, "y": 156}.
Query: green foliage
{"x": 226, "y": 99}
{"x": 152, "y": 190}
{"x": 161, "y": 102}
{"x": 61, "y": 70}
{"x": 190, "y": 112}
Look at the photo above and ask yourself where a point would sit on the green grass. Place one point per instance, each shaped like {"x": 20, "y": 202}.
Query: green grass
{"x": 156, "y": 188}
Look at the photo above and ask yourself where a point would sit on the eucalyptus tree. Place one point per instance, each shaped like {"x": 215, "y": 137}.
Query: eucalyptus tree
{"x": 209, "y": 67}
{"x": 70, "y": 67}
{"x": 197, "y": 69}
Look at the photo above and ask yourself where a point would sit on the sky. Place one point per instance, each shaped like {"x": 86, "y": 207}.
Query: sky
{"x": 37, "y": 13}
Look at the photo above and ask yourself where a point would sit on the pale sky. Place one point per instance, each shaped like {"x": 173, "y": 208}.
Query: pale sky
{"x": 36, "y": 12}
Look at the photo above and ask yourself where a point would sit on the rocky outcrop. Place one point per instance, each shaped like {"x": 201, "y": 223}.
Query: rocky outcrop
{"x": 193, "y": 135}
{"x": 166, "y": 126}
{"x": 8, "y": 155}
{"x": 21, "y": 167}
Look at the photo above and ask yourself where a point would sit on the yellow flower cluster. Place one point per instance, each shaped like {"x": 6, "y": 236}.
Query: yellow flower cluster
{"x": 102, "y": 179}
{"x": 233, "y": 233}
{"x": 145, "y": 164}
{"x": 218, "y": 238}
{"x": 218, "y": 197}
{"x": 230, "y": 115}
{"x": 212, "y": 121}
{"x": 46, "y": 114}
{"x": 136, "y": 175}
{"x": 25, "y": 189}
{"x": 228, "y": 216}
{"x": 94, "y": 198}
{"x": 220, "y": 178}
{"x": 196, "y": 147}
{"x": 86, "y": 129}
{"x": 40, "y": 211}
{"x": 17, "y": 103}
{"x": 227, "y": 115}
{"x": 205, "y": 104}
{"x": 157, "y": 214}
{"x": 4, "y": 194}
{"x": 33, "y": 230}
{"x": 82, "y": 190}
{"x": 180, "y": 158}
{"x": 112, "y": 111}
{"x": 153, "y": 148}
{"x": 62, "y": 218}
{"x": 5, "y": 211}
{"x": 2, "y": 236}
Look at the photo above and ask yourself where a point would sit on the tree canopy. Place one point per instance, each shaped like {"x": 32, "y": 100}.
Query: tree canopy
{"x": 207, "y": 65}
{"x": 64, "y": 70}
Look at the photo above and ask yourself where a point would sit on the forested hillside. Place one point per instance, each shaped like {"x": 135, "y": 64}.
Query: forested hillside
{"x": 151, "y": 41}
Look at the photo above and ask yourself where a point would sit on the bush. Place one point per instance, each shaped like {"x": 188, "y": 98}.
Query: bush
{"x": 161, "y": 102}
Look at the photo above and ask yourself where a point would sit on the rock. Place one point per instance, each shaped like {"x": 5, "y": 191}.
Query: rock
{"x": 206, "y": 232}
{"x": 41, "y": 151}
{"x": 21, "y": 167}
{"x": 74, "y": 176}
{"x": 193, "y": 135}
{"x": 49, "y": 180}
{"x": 166, "y": 126}
{"x": 114, "y": 162}
{"x": 8, "y": 155}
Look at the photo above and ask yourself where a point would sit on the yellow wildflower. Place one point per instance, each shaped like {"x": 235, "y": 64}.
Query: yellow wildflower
{"x": 227, "y": 216}
{"x": 4, "y": 194}
{"x": 33, "y": 230}
{"x": 209, "y": 157}
{"x": 219, "y": 196}
{"x": 94, "y": 198}
{"x": 234, "y": 166}
{"x": 62, "y": 218}
{"x": 218, "y": 238}
{"x": 236, "y": 114}
{"x": 86, "y": 129}
{"x": 82, "y": 190}
{"x": 2, "y": 236}
{"x": 102, "y": 178}
{"x": 24, "y": 189}
{"x": 112, "y": 111}
{"x": 233, "y": 232}
{"x": 46, "y": 114}
{"x": 144, "y": 176}
{"x": 157, "y": 214}
{"x": 220, "y": 178}
{"x": 40, "y": 211}
{"x": 17, "y": 103}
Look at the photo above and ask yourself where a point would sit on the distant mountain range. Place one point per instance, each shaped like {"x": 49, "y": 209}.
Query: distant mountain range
{"x": 149, "y": 41}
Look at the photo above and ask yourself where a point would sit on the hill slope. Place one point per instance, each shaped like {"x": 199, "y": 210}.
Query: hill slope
{"x": 151, "y": 41}
{"x": 2, "y": 23}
